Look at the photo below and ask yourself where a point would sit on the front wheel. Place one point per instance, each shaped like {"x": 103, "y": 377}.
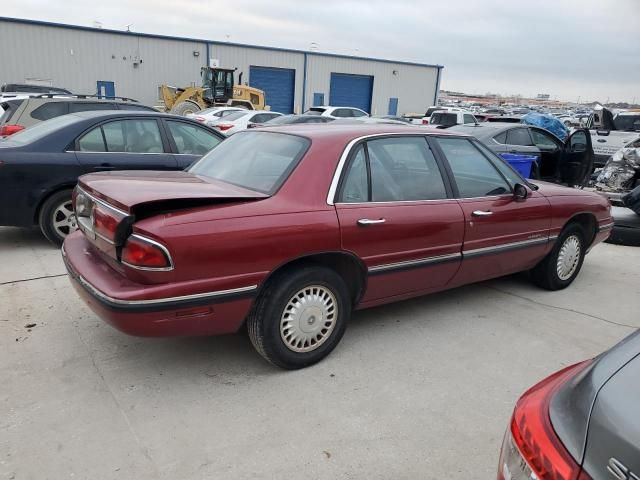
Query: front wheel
{"x": 562, "y": 265}
{"x": 56, "y": 218}
{"x": 300, "y": 317}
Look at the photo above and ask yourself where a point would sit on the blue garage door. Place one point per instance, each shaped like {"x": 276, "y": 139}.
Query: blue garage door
{"x": 348, "y": 90}
{"x": 278, "y": 85}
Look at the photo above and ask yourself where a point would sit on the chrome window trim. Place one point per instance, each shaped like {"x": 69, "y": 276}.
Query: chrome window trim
{"x": 120, "y": 153}
{"x": 398, "y": 201}
{"x": 417, "y": 262}
{"x": 102, "y": 202}
{"x": 157, "y": 244}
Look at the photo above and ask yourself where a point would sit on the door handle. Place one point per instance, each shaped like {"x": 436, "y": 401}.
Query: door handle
{"x": 365, "y": 221}
{"x": 104, "y": 166}
{"x": 481, "y": 213}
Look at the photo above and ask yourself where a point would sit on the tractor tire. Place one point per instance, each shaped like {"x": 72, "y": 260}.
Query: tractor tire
{"x": 185, "y": 108}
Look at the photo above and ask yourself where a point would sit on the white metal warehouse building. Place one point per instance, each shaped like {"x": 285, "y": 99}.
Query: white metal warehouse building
{"x": 130, "y": 64}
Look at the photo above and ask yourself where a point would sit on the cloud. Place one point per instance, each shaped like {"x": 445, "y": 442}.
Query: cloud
{"x": 568, "y": 48}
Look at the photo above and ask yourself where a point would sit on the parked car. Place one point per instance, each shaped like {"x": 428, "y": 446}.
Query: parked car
{"x": 290, "y": 229}
{"x": 23, "y": 113}
{"x": 446, "y": 119}
{"x": 238, "y": 121}
{"x": 580, "y": 423}
{"x": 213, "y": 113}
{"x": 295, "y": 119}
{"x": 40, "y": 166}
{"x": 426, "y": 120}
{"x": 569, "y": 162}
{"x": 610, "y": 133}
{"x": 337, "y": 112}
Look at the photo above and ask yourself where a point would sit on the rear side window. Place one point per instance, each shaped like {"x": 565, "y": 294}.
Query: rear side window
{"x": 358, "y": 113}
{"x": 50, "y": 110}
{"x": 501, "y": 138}
{"x": 474, "y": 174}
{"x": 343, "y": 113}
{"x": 519, "y": 136}
{"x": 400, "y": 169}
{"x": 132, "y": 136}
{"x": 190, "y": 139}
{"x": 90, "y": 106}
{"x": 469, "y": 118}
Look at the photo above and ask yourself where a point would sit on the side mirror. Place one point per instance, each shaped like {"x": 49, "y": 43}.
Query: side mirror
{"x": 520, "y": 192}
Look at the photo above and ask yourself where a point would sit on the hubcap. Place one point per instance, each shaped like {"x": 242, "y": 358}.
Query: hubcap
{"x": 308, "y": 318}
{"x": 568, "y": 257}
{"x": 64, "y": 220}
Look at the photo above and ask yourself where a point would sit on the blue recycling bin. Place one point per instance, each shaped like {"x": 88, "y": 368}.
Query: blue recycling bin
{"x": 520, "y": 162}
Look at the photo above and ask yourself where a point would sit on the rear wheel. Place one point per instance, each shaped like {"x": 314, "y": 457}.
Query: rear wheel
{"x": 300, "y": 317}
{"x": 185, "y": 108}
{"x": 562, "y": 265}
{"x": 56, "y": 218}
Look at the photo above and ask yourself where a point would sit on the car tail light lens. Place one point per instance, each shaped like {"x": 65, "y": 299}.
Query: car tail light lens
{"x": 199, "y": 119}
{"x": 6, "y": 130}
{"x": 106, "y": 222}
{"x": 425, "y": 122}
{"x": 224, "y": 126}
{"x": 144, "y": 253}
{"x": 531, "y": 449}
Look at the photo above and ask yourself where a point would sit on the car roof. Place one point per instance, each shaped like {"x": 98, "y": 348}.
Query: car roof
{"x": 350, "y": 131}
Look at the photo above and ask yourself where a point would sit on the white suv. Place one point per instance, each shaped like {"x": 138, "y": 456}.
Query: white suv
{"x": 443, "y": 119}
{"x": 337, "y": 112}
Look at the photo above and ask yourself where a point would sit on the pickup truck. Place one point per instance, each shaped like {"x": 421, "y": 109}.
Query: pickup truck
{"x": 610, "y": 133}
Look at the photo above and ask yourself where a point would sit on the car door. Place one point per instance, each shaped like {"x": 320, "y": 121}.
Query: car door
{"x": 396, "y": 213}
{"x": 131, "y": 144}
{"x": 577, "y": 158}
{"x": 189, "y": 142}
{"x": 502, "y": 234}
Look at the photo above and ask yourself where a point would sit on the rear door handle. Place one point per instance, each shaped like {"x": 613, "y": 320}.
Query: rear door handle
{"x": 481, "y": 213}
{"x": 104, "y": 166}
{"x": 365, "y": 221}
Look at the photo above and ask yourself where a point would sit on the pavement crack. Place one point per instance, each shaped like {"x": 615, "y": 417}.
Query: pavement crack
{"x": 143, "y": 449}
{"x": 32, "y": 279}
{"x": 595, "y": 317}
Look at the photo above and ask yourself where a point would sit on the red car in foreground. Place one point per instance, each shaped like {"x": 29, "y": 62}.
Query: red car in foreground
{"x": 289, "y": 229}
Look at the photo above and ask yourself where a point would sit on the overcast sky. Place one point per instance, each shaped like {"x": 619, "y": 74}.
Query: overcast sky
{"x": 567, "y": 48}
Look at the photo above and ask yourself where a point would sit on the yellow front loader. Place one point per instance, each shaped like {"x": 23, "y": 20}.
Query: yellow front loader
{"x": 218, "y": 89}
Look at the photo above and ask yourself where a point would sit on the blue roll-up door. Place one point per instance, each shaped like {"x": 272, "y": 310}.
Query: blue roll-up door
{"x": 348, "y": 90}
{"x": 278, "y": 85}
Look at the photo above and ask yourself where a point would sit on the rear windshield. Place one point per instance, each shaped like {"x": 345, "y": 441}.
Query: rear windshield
{"x": 42, "y": 129}
{"x": 258, "y": 161}
{"x": 444, "y": 118}
{"x": 315, "y": 111}
{"x": 237, "y": 115}
{"x": 7, "y": 109}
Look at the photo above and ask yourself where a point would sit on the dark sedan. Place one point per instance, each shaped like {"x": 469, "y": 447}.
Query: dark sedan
{"x": 580, "y": 423}
{"x": 40, "y": 165}
{"x": 569, "y": 162}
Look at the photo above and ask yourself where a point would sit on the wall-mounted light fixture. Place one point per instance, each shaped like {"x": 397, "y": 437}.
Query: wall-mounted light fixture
{"x": 196, "y": 53}
{"x": 395, "y": 72}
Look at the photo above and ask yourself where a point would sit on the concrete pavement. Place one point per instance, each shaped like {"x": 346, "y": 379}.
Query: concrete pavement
{"x": 421, "y": 389}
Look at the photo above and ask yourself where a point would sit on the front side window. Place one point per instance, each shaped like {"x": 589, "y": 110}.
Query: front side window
{"x": 544, "y": 141}
{"x": 401, "y": 169}
{"x": 133, "y": 136}
{"x": 190, "y": 139}
{"x": 259, "y": 161}
{"x": 474, "y": 174}
{"x": 342, "y": 113}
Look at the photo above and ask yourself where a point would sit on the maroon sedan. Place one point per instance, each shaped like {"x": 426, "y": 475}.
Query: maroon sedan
{"x": 289, "y": 230}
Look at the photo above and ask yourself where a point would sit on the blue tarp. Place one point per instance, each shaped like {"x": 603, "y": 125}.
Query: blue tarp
{"x": 548, "y": 122}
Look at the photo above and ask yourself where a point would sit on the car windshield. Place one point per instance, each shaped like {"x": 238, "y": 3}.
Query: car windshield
{"x": 444, "y": 118}
{"x": 627, "y": 122}
{"x": 258, "y": 161}
{"x": 41, "y": 129}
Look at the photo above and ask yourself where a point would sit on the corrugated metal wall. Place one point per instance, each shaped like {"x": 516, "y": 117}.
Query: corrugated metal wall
{"x": 413, "y": 86}
{"x": 76, "y": 59}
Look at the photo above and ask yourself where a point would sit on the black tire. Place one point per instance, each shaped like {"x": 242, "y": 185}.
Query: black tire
{"x": 546, "y": 274}
{"x": 264, "y": 321}
{"x": 48, "y": 216}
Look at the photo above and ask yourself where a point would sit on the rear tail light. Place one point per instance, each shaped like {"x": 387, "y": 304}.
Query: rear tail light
{"x": 97, "y": 219}
{"x": 224, "y": 126}
{"x": 6, "y": 130}
{"x": 199, "y": 119}
{"x": 425, "y": 122}
{"x": 531, "y": 448}
{"x": 145, "y": 254}
{"x": 106, "y": 222}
